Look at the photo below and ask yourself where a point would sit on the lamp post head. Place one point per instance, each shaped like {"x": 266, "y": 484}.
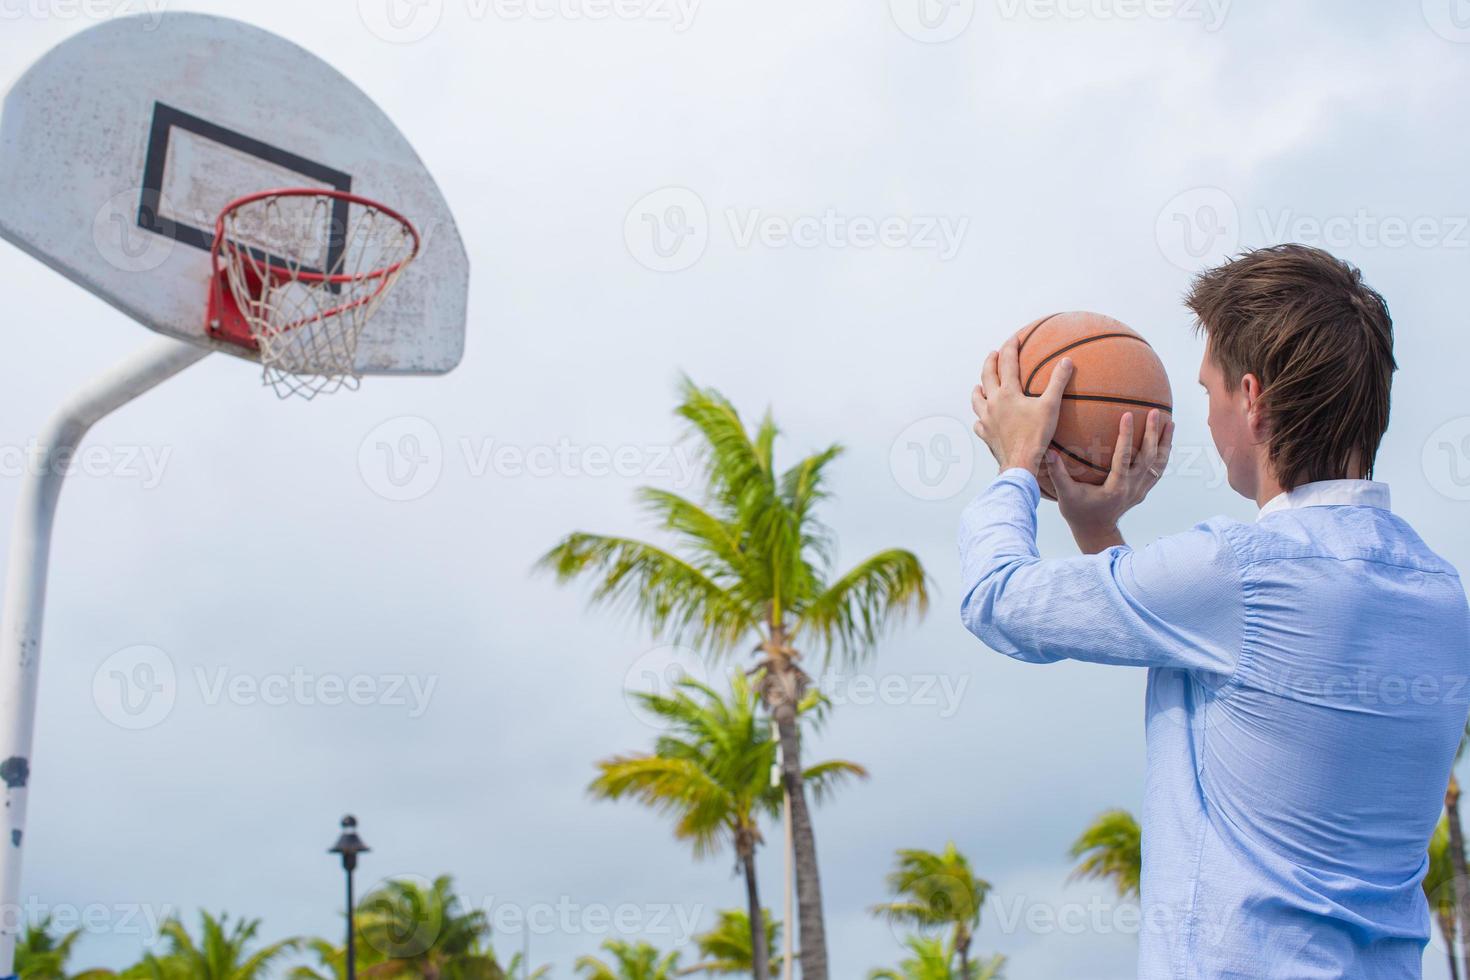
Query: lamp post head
{"x": 349, "y": 845}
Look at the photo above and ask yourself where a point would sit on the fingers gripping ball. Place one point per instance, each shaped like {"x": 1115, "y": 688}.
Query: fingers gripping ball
{"x": 1116, "y": 372}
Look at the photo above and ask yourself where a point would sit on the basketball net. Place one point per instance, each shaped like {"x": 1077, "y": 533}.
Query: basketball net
{"x": 304, "y": 271}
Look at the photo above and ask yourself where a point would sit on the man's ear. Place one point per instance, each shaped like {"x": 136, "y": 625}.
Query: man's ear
{"x": 1250, "y": 391}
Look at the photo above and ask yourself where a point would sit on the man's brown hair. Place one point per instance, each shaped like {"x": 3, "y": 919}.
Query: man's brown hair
{"x": 1320, "y": 341}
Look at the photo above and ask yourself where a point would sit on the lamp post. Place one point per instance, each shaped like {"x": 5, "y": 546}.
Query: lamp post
{"x": 349, "y": 845}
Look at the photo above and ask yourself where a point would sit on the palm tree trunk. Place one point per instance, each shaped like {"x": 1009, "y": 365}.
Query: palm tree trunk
{"x": 784, "y": 693}
{"x": 788, "y": 900}
{"x": 759, "y": 948}
{"x": 1457, "y": 861}
{"x": 962, "y": 944}
{"x": 1447, "y": 930}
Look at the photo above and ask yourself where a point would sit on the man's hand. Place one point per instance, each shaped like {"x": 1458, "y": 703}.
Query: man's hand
{"x": 1093, "y": 511}
{"x": 1017, "y": 427}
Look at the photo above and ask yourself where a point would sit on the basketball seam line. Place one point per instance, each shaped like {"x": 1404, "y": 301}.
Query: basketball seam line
{"x": 1116, "y": 399}
{"x": 1085, "y": 462}
{"x": 1039, "y": 324}
{"x": 1073, "y": 346}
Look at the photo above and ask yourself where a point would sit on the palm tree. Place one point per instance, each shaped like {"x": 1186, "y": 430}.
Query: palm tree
{"x": 330, "y": 957}
{"x": 224, "y": 951}
{"x": 517, "y": 969}
{"x": 937, "y": 890}
{"x": 334, "y": 964}
{"x": 1111, "y": 849}
{"x": 332, "y": 960}
{"x": 631, "y": 961}
{"x": 41, "y": 956}
{"x": 753, "y": 563}
{"x": 712, "y": 771}
{"x": 423, "y": 931}
{"x": 1439, "y": 888}
{"x": 726, "y": 949}
{"x": 933, "y": 959}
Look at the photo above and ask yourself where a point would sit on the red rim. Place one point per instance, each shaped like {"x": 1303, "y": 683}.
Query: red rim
{"x": 221, "y": 243}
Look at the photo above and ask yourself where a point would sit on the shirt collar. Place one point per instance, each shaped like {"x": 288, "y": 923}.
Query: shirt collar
{"x": 1330, "y": 493}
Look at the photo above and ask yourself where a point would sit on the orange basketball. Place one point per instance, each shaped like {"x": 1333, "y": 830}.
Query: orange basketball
{"x": 1116, "y": 372}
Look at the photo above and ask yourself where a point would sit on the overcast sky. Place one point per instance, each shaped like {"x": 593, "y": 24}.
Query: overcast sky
{"x": 828, "y": 208}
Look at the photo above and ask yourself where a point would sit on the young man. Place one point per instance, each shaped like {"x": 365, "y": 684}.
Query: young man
{"x": 1307, "y": 682}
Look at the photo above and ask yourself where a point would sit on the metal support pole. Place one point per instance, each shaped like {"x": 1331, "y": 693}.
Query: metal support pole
{"x": 351, "y": 927}
{"x": 25, "y": 593}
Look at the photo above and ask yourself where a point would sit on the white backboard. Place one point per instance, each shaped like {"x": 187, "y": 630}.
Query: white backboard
{"x": 119, "y": 148}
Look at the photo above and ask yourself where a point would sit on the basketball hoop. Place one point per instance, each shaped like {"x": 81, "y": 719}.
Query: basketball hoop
{"x": 298, "y": 272}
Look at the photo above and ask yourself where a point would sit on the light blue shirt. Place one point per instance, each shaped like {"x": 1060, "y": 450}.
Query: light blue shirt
{"x": 1308, "y": 683}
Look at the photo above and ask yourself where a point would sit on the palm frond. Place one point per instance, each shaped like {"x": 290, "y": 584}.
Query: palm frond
{"x": 935, "y": 889}
{"x": 1111, "y": 849}
{"x": 803, "y": 487}
{"x": 716, "y": 541}
{"x": 738, "y": 466}
{"x": 673, "y": 597}
{"x": 825, "y": 778}
{"x": 850, "y": 615}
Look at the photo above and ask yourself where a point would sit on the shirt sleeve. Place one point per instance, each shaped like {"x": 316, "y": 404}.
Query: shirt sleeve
{"x": 1177, "y": 603}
